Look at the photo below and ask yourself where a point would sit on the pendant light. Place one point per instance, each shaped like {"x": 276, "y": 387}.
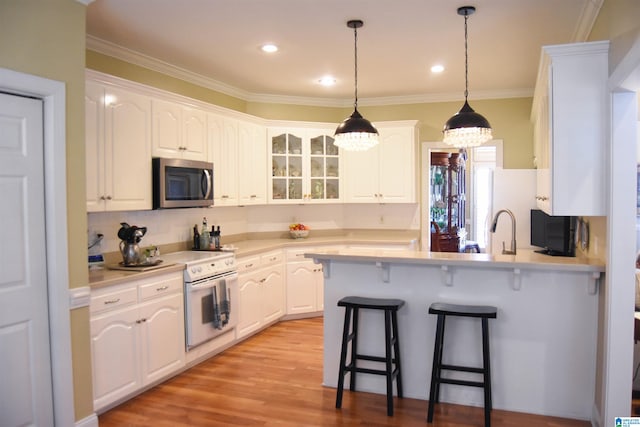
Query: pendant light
{"x": 466, "y": 128}
{"x": 355, "y": 133}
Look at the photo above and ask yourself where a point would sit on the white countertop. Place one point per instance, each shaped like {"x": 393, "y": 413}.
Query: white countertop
{"x": 525, "y": 259}
{"x": 106, "y": 277}
{"x": 252, "y": 247}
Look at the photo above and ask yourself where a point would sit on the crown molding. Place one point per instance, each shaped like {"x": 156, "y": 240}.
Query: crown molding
{"x": 446, "y": 97}
{"x": 587, "y": 20}
{"x": 136, "y": 58}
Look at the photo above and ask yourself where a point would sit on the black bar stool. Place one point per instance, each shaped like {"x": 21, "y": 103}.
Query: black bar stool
{"x": 442, "y": 310}
{"x": 352, "y": 306}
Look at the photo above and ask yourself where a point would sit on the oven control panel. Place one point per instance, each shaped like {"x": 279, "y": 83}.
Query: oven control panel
{"x": 210, "y": 267}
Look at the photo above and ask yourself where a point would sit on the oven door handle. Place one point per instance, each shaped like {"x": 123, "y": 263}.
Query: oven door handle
{"x": 210, "y": 282}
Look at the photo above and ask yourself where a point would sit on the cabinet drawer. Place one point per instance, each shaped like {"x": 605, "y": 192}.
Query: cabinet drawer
{"x": 161, "y": 287}
{"x": 271, "y": 258}
{"x": 248, "y": 263}
{"x": 298, "y": 254}
{"x": 112, "y": 300}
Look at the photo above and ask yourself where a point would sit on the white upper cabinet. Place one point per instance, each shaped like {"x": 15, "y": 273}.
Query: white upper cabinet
{"x": 118, "y": 149}
{"x": 305, "y": 166}
{"x": 252, "y": 164}
{"x": 288, "y": 162}
{"x": 569, "y": 114}
{"x": 239, "y": 156}
{"x": 178, "y": 131}
{"x": 223, "y": 143}
{"x": 385, "y": 173}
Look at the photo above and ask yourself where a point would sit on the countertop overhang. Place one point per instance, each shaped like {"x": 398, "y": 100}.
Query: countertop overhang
{"x": 524, "y": 259}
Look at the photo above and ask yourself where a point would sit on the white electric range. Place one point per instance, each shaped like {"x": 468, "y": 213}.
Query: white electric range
{"x": 210, "y": 293}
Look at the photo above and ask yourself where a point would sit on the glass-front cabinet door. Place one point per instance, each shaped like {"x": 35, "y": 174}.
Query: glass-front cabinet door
{"x": 286, "y": 167}
{"x": 324, "y": 167}
{"x": 305, "y": 166}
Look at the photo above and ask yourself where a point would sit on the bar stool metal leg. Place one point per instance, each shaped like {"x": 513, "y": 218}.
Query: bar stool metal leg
{"x": 396, "y": 352}
{"x": 343, "y": 356}
{"x": 488, "y": 405}
{"x": 435, "y": 370}
{"x": 388, "y": 357}
{"x": 354, "y": 349}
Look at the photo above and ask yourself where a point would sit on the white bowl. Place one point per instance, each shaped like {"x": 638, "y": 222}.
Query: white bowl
{"x": 298, "y": 234}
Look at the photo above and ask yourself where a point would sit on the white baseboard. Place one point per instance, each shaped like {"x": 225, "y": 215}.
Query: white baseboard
{"x": 90, "y": 421}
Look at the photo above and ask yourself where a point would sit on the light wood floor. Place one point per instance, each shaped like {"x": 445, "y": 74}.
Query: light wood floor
{"x": 274, "y": 379}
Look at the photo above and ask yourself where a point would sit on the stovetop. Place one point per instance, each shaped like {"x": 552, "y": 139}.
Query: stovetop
{"x": 191, "y": 257}
{"x": 203, "y": 264}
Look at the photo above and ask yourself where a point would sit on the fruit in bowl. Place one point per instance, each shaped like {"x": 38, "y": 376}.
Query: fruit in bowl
{"x": 298, "y": 231}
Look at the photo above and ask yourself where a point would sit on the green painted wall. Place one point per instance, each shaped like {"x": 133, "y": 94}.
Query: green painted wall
{"x": 510, "y": 118}
{"x": 47, "y": 39}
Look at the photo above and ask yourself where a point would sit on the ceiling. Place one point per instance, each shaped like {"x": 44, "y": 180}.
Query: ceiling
{"x": 216, "y": 43}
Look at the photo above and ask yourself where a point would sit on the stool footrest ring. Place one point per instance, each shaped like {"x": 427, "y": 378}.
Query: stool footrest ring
{"x": 461, "y": 382}
{"x": 349, "y": 368}
{"x": 462, "y": 368}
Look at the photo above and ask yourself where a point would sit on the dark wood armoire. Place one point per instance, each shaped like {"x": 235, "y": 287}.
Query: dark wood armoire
{"x": 447, "y": 201}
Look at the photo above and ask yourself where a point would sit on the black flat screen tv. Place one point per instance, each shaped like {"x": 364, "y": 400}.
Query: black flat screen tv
{"x": 554, "y": 234}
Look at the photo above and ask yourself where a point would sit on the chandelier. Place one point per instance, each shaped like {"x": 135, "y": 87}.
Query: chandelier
{"x": 466, "y": 128}
{"x": 356, "y": 133}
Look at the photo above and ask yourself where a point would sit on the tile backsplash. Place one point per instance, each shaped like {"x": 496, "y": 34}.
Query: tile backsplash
{"x": 176, "y": 225}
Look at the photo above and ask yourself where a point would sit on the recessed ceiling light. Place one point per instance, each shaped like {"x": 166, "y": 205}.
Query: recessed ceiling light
{"x": 327, "y": 81}
{"x": 269, "y": 48}
{"x": 437, "y": 68}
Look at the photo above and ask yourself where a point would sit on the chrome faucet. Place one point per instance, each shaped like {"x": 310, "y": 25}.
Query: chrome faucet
{"x": 494, "y": 224}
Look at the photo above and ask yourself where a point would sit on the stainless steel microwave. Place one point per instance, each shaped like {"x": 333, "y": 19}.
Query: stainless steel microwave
{"x": 179, "y": 183}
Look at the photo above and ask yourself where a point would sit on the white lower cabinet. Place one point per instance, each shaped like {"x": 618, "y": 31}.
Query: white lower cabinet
{"x": 137, "y": 336}
{"x": 261, "y": 292}
{"x": 305, "y": 283}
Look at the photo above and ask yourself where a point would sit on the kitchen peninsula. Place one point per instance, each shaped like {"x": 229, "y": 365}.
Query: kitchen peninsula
{"x": 543, "y": 342}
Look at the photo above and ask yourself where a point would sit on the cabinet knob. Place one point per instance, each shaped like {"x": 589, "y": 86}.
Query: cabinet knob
{"x": 253, "y": 196}
{"x": 103, "y": 198}
{"x": 162, "y": 288}
{"x": 263, "y": 280}
{"x": 109, "y": 197}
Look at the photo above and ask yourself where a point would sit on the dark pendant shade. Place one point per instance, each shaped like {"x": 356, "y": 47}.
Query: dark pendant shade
{"x": 356, "y": 123}
{"x": 466, "y": 118}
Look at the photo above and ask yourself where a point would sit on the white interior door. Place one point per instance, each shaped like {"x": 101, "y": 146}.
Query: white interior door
{"x": 25, "y": 369}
